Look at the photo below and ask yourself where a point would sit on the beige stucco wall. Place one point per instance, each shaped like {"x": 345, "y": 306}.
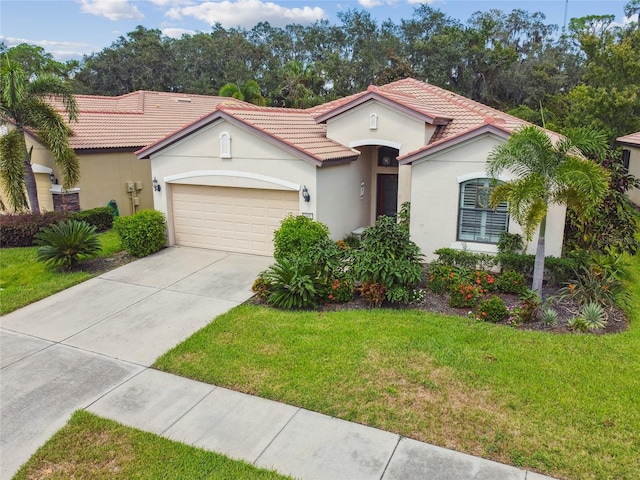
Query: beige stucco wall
{"x": 352, "y": 128}
{"x": 254, "y": 163}
{"x": 634, "y": 169}
{"x": 104, "y": 177}
{"x": 435, "y": 198}
{"x": 342, "y": 208}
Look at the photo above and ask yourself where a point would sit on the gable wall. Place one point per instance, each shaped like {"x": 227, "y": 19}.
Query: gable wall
{"x": 393, "y": 125}
{"x": 435, "y": 198}
{"x": 196, "y": 159}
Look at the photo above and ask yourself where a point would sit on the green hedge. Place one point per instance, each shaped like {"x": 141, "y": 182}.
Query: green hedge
{"x": 101, "y": 217}
{"x": 18, "y": 230}
{"x": 143, "y": 233}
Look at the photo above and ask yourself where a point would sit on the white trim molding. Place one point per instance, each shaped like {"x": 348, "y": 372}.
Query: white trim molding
{"x": 232, "y": 173}
{"x": 471, "y": 176}
{"x": 375, "y": 142}
{"x": 37, "y": 168}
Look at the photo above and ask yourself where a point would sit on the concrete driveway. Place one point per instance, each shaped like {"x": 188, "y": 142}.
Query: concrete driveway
{"x": 66, "y": 351}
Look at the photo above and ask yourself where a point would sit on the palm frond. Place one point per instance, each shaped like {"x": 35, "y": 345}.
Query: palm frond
{"x": 582, "y": 185}
{"x": 12, "y": 157}
{"x": 588, "y": 141}
{"x": 48, "y": 85}
{"x": 12, "y": 83}
{"x": 53, "y": 132}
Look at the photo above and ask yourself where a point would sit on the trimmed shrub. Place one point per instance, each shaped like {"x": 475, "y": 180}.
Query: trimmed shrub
{"x": 143, "y": 233}
{"x": 465, "y": 259}
{"x": 510, "y": 282}
{"x": 521, "y": 263}
{"x": 484, "y": 280}
{"x": 559, "y": 270}
{"x": 261, "y": 286}
{"x": 19, "y": 230}
{"x": 296, "y": 236}
{"x": 492, "y": 310}
{"x": 64, "y": 244}
{"x": 101, "y": 217}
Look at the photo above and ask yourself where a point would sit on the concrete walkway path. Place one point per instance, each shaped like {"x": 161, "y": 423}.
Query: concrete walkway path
{"x": 90, "y": 347}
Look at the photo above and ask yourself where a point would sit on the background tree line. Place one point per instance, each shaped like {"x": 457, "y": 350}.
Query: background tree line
{"x": 588, "y": 75}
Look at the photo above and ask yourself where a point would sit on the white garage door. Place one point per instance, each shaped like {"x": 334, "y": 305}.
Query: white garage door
{"x": 234, "y": 219}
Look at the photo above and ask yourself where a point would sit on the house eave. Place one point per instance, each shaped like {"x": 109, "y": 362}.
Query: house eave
{"x": 429, "y": 150}
{"x": 373, "y": 95}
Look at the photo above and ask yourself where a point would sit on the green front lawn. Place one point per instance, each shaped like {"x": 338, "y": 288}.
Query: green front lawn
{"x": 95, "y": 448}
{"x": 24, "y": 280}
{"x": 564, "y": 405}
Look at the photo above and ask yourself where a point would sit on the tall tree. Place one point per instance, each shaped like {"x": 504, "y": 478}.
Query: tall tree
{"x": 548, "y": 172}
{"x": 24, "y": 104}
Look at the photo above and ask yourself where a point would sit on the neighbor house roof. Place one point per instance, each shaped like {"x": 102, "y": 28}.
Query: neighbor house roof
{"x": 136, "y": 119}
{"x": 632, "y": 139}
{"x": 294, "y": 130}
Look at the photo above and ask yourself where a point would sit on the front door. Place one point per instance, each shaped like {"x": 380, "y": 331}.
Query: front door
{"x": 387, "y": 203}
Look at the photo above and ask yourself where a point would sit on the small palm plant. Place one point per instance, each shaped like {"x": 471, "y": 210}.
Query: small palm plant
{"x": 65, "y": 244}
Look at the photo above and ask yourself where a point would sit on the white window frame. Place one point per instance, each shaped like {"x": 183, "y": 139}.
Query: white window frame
{"x": 472, "y": 206}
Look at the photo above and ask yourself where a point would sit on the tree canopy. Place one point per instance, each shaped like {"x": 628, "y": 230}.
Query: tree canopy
{"x": 515, "y": 61}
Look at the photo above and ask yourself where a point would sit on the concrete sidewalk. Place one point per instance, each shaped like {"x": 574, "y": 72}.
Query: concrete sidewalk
{"x": 90, "y": 347}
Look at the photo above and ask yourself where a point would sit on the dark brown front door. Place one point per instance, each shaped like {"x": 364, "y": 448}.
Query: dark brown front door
{"x": 387, "y": 195}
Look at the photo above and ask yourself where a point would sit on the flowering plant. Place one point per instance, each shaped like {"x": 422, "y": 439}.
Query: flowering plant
{"x": 464, "y": 295}
{"x": 340, "y": 291}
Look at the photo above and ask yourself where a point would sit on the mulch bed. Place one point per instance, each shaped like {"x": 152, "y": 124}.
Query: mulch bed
{"x": 100, "y": 265}
{"x": 617, "y": 321}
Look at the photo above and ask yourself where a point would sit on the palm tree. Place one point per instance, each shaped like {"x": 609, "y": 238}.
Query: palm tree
{"x": 249, "y": 92}
{"x": 548, "y": 172}
{"x": 23, "y": 104}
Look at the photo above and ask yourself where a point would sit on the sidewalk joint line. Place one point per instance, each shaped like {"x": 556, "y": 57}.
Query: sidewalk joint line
{"x": 215, "y": 387}
{"x": 276, "y": 435}
{"x": 390, "y": 457}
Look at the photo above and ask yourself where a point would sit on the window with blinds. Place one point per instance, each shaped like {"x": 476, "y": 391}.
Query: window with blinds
{"x": 477, "y": 221}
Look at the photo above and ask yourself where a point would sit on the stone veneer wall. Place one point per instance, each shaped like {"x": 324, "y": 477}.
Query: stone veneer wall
{"x": 66, "y": 202}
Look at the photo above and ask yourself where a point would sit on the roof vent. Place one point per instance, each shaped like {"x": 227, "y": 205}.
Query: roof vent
{"x": 183, "y": 100}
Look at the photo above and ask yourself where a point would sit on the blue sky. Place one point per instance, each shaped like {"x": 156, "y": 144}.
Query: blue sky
{"x": 70, "y": 28}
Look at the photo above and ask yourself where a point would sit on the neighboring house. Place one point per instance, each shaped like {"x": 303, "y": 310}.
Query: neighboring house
{"x": 631, "y": 159}
{"x": 108, "y": 132}
{"x": 229, "y": 178}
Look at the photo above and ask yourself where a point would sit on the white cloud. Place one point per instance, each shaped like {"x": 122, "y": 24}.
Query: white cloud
{"x": 61, "y": 51}
{"x": 370, "y": 3}
{"x": 247, "y": 13}
{"x": 177, "y": 32}
{"x": 111, "y": 9}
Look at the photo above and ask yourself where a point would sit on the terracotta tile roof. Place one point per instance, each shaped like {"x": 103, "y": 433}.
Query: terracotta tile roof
{"x": 136, "y": 119}
{"x": 631, "y": 139}
{"x": 293, "y": 129}
{"x": 296, "y": 128}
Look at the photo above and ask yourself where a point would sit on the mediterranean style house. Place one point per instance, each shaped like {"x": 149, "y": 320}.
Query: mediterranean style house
{"x": 631, "y": 159}
{"x": 227, "y": 179}
{"x": 108, "y": 132}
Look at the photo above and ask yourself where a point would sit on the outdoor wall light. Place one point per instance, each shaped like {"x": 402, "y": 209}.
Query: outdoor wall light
{"x": 156, "y": 186}
{"x": 305, "y": 194}
{"x": 53, "y": 179}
